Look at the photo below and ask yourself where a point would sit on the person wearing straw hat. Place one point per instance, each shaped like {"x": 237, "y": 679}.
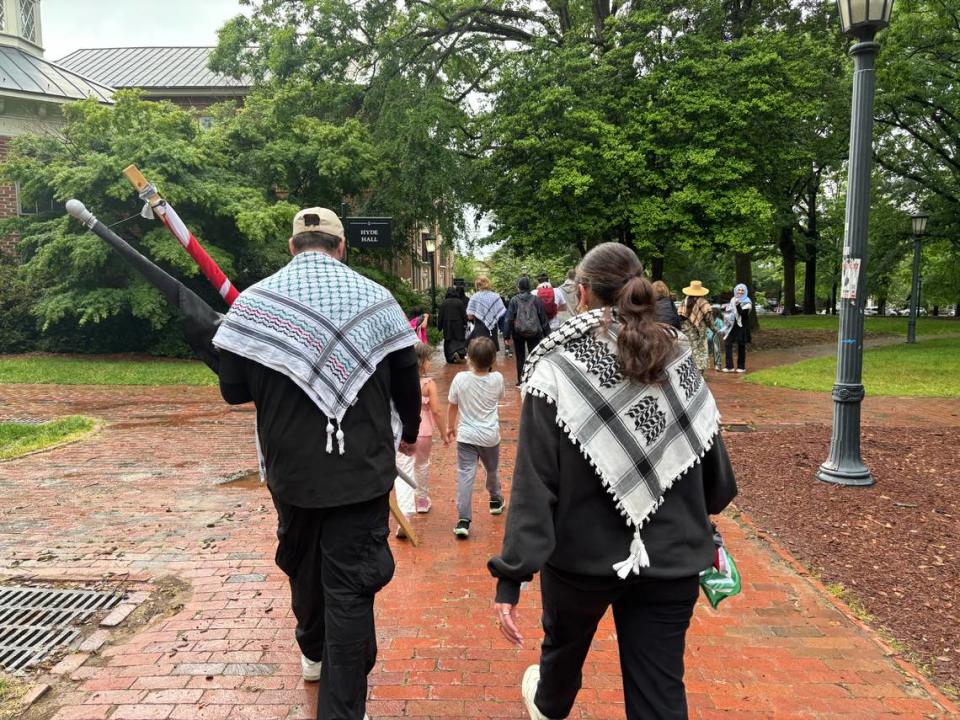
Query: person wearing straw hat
{"x": 695, "y": 314}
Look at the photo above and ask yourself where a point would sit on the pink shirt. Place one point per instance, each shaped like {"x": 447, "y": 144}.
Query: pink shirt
{"x": 421, "y": 331}
{"x": 426, "y": 417}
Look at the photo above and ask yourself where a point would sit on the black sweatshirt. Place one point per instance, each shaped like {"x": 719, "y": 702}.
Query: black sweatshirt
{"x": 293, "y": 430}
{"x": 561, "y": 515}
{"x": 514, "y": 306}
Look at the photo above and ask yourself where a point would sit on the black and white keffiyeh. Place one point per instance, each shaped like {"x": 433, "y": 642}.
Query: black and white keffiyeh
{"x": 639, "y": 438}
{"x": 321, "y": 324}
{"x": 487, "y": 307}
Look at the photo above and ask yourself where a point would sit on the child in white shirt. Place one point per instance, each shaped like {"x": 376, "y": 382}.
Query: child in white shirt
{"x": 473, "y": 420}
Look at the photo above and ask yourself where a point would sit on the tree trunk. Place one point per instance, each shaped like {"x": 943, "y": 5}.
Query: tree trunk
{"x": 810, "y": 253}
{"x": 789, "y": 252}
{"x": 744, "y": 270}
{"x": 656, "y": 268}
{"x": 881, "y": 307}
{"x": 833, "y": 299}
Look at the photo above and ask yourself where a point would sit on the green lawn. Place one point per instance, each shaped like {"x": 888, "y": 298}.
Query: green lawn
{"x": 72, "y": 370}
{"x": 21, "y": 438}
{"x": 871, "y": 325}
{"x": 928, "y": 369}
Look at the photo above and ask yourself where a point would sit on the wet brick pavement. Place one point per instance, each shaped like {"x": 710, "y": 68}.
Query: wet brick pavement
{"x": 140, "y": 501}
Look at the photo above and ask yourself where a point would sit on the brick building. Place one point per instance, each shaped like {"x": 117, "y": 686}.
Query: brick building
{"x": 32, "y": 92}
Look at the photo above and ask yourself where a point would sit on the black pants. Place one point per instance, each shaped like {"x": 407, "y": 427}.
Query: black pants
{"x": 521, "y": 347}
{"x": 741, "y": 354}
{"x": 651, "y": 617}
{"x": 481, "y": 330}
{"x": 337, "y": 559}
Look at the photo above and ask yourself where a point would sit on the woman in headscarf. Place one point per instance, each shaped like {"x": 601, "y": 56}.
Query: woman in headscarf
{"x": 485, "y": 309}
{"x": 666, "y": 311}
{"x": 617, "y": 424}
{"x": 695, "y": 314}
{"x": 737, "y": 318}
{"x": 452, "y": 320}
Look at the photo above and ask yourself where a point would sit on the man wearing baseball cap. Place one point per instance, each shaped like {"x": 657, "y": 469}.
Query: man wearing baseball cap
{"x": 327, "y": 357}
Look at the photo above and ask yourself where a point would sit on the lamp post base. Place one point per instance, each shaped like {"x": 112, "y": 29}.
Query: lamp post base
{"x": 853, "y": 475}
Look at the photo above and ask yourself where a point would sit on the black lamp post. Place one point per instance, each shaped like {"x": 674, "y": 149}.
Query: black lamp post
{"x": 430, "y": 243}
{"x": 861, "y": 19}
{"x": 919, "y": 230}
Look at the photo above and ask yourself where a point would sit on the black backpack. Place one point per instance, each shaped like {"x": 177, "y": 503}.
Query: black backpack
{"x": 527, "y": 322}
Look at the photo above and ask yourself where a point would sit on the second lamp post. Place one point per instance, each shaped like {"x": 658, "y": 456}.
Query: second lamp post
{"x": 430, "y": 243}
{"x": 919, "y": 230}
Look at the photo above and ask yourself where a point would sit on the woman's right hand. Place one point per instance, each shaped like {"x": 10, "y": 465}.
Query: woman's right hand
{"x": 507, "y": 621}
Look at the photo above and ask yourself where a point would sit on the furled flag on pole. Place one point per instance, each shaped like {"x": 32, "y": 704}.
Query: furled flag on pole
{"x": 155, "y": 205}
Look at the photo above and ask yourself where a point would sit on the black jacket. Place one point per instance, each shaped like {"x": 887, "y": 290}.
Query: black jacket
{"x": 512, "y": 314}
{"x": 666, "y": 312}
{"x": 561, "y": 515}
{"x": 293, "y": 433}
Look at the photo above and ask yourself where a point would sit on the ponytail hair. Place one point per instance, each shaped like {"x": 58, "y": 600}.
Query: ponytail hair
{"x": 614, "y": 274}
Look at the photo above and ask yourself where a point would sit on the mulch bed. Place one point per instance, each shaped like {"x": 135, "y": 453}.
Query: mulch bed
{"x": 894, "y": 547}
{"x": 784, "y": 338}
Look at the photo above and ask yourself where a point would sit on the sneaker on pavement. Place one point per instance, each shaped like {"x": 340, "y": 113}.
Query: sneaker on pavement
{"x": 528, "y": 688}
{"x": 462, "y": 530}
{"x": 309, "y": 668}
{"x": 496, "y": 505}
{"x": 401, "y": 535}
{"x": 423, "y": 505}
{"x": 741, "y": 370}
{"x": 726, "y": 370}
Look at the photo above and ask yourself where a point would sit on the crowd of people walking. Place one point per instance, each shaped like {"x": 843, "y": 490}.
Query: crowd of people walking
{"x": 617, "y": 423}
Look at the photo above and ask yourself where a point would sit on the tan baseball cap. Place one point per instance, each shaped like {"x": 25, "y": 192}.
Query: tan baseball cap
{"x": 317, "y": 219}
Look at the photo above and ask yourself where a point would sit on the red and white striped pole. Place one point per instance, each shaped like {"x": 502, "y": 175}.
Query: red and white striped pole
{"x": 179, "y": 230}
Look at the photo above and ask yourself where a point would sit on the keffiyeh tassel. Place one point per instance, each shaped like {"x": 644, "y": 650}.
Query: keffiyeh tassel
{"x": 638, "y": 559}
{"x": 341, "y": 444}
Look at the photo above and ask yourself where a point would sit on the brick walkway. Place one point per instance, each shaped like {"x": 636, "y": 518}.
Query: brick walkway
{"x": 140, "y": 502}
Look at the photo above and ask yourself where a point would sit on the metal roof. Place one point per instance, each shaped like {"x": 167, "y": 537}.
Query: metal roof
{"x": 23, "y": 73}
{"x": 151, "y": 68}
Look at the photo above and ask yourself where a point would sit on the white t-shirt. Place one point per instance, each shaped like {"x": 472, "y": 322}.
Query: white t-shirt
{"x": 477, "y": 397}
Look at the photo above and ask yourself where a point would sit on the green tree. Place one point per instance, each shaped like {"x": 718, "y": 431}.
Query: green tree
{"x": 78, "y": 280}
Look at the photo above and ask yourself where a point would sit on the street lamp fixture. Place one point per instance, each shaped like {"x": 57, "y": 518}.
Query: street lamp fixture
{"x": 430, "y": 243}
{"x": 863, "y": 18}
{"x": 919, "y": 221}
{"x": 919, "y": 224}
{"x": 860, "y": 19}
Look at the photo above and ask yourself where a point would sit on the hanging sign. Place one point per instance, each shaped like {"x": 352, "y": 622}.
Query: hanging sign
{"x": 851, "y": 277}
{"x": 369, "y": 232}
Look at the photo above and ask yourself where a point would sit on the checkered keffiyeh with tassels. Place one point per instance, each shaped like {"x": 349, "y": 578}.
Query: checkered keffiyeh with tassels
{"x": 322, "y": 325}
{"x": 639, "y": 438}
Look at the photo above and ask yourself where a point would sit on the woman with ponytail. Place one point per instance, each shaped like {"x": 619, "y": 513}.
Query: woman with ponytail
{"x": 619, "y": 462}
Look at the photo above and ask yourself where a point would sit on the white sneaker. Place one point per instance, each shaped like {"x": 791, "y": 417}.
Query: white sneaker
{"x": 528, "y": 689}
{"x": 741, "y": 370}
{"x": 309, "y": 668}
{"x": 726, "y": 370}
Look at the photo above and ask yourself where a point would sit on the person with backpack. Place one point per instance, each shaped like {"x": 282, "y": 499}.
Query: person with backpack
{"x": 527, "y": 323}
{"x": 553, "y": 299}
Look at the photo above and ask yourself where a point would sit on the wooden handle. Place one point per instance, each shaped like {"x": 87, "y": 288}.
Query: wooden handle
{"x": 135, "y": 177}
{"x": 402, "y": 520}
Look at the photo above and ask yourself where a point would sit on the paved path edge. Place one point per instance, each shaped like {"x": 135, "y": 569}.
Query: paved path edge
{"x": 936, "y": 694}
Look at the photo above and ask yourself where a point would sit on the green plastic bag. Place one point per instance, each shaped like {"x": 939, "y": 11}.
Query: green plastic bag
{"x": 722, "y": 579}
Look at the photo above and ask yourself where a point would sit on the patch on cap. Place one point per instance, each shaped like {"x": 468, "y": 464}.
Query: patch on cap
{"x": 318, "y": 219}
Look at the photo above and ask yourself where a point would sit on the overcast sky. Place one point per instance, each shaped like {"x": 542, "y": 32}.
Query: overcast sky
{"x": 72, "y": 24}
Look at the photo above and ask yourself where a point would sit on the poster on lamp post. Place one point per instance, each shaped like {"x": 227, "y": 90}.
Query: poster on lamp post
{"x": 851, "y": 276}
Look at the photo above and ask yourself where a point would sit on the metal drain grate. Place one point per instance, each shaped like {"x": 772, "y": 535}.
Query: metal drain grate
{"x": 36, "y": 621}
